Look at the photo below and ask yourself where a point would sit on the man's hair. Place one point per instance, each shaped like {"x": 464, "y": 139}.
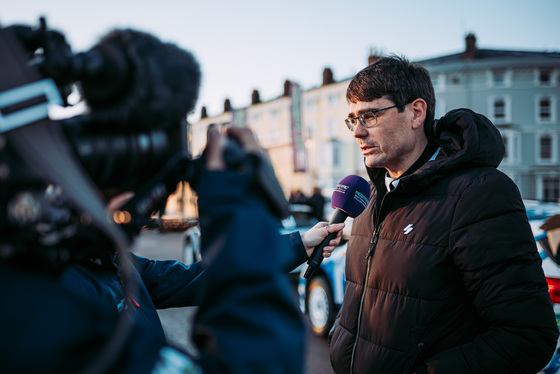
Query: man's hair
{"x": 398, "y": 80}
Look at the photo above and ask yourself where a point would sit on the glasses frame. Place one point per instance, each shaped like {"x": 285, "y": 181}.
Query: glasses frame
{"x": 351, "y": 126}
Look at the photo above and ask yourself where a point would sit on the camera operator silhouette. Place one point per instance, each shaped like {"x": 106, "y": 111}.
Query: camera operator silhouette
{"x": 75, "y": 298}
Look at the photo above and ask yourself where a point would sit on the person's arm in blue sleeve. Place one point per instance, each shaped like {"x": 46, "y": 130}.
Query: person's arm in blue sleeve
{"x": 248, "y": 320}
{"x": 170, "y": 283}
{"x": 303, "y": 244}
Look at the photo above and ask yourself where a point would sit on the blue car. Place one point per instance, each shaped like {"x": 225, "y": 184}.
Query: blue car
{"x": 320, "y": 297}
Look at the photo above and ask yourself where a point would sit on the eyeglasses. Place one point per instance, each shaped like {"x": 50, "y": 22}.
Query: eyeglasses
{"x": 367, "y": 119}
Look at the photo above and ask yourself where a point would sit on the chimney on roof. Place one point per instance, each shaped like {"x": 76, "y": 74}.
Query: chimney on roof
{"x": 203, "y": 112}
{"x": 327, "y": 76}
{"x": 287, "y": 85}
{"x": 255, "y": 97}
{"x": 227, "y": 106}
{"x": 471, "y": 50}
{"x": 373, "y": 56}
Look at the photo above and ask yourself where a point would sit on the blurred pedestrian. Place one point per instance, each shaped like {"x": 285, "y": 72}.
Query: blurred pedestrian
{"x": 317, "y": 203}
{"x": 297, "y": 197}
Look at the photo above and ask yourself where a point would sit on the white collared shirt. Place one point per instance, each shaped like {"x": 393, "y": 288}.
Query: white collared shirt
{"x": 390, "y": 183}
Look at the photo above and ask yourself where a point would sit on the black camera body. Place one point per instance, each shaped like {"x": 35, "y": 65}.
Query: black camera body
{"x": 57, "y": 176}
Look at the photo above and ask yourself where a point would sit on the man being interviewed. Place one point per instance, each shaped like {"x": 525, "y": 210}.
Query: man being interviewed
{"x": 443, "y": 275}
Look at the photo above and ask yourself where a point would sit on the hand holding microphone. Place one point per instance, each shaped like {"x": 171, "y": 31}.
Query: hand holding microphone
{"x": 349, "y": 198}
{"x": 315, "y": 235}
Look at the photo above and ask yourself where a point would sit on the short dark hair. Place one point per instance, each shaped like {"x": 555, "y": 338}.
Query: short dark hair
{"x": 398, "y": 80}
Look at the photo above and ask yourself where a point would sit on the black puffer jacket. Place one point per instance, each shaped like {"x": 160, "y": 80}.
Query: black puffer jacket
{"x": 454, "y": 282}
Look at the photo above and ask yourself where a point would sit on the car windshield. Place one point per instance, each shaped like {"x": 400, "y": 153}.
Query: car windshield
{"x": 300, "y": 217}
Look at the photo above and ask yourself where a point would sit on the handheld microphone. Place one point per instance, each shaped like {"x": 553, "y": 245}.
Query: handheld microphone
{"x": 349, "y": 198}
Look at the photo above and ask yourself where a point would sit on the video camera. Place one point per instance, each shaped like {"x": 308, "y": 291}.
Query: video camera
{"x": 57, "y": 176}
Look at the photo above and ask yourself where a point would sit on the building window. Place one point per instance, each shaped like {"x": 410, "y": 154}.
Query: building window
{"x": 255, "y": 118}
{"x": 545, "y": 77}
{"x": 438, "y": 81}
{"x": 499, "y": 109}
{"x": 551, "y": 189}
{"x": 544, "y": 109}
{"x": 311, "y": 104}
{"x": 333, "y": 125}
{"x": 333, "y": 100}
{"x": 499, "y": 77}
{"x": 336, "y": 154}
{"x": 332, "y": 154}
{"x": 505, "y": 139}
{"x": 310, "y": 130}
{"x": 545, "y": 148}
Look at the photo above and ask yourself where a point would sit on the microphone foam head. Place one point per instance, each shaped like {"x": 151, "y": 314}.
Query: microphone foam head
{"x": 161, "y": 86}
{"x": 351, "y": 195}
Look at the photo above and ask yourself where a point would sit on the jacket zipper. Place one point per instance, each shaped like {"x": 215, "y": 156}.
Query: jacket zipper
{"x": 369, "y": 256}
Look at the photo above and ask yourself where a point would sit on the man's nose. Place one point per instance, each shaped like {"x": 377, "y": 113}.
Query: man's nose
{"x": 359, "y": 130}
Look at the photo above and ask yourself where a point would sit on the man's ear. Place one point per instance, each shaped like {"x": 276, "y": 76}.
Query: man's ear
{"x": 418, "y": 107}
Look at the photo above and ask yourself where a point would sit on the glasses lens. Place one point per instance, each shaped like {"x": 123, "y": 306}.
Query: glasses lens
{"x": 368, "y": 119}
{"x": 350, "y": 123}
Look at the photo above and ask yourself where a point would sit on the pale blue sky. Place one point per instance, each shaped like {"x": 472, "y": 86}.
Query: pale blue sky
{"x": 256, "y": 44}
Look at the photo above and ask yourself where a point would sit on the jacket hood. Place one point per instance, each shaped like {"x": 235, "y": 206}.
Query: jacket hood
{"x": 465, "y": 139}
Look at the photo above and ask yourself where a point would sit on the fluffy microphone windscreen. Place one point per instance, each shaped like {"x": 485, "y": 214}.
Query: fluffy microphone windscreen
{"x": 351, "y": 195}
{"x": 161, "y": 87}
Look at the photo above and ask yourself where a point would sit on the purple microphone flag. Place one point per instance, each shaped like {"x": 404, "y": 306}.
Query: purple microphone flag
{"x": 351, "y": 195}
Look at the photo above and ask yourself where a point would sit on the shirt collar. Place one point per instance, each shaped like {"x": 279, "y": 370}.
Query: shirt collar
{"x": 390, "y": 183}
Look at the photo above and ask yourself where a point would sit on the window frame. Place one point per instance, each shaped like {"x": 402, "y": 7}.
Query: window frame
{"x": 507, "y": 78}
{"x": 492, "y": 100}
{"x": 553, "y": 80}
{"x": 553, "y": 159}
{"x": 552, "y": 109}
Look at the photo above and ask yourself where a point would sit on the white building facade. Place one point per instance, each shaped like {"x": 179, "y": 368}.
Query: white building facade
{"x": 303, "y": 132}
{"x": 309, "y": 145}
{"x": 519, "y": 92}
